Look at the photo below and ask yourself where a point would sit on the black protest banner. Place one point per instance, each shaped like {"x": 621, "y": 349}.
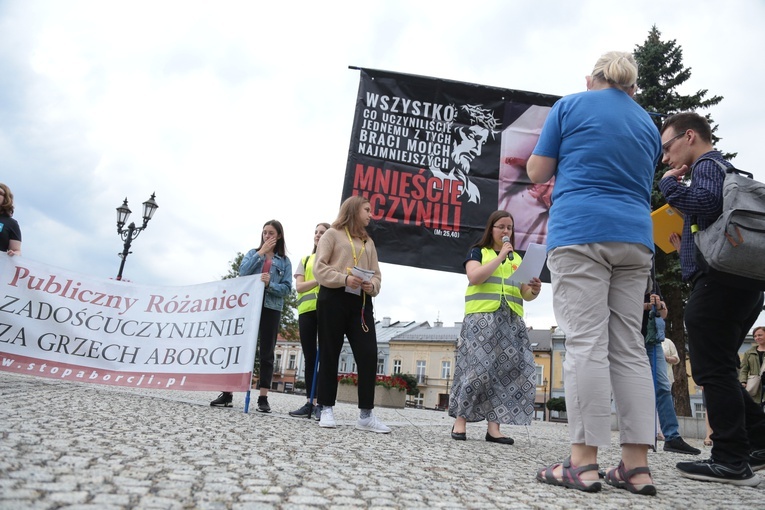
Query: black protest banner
{"x": 435, "y": 157}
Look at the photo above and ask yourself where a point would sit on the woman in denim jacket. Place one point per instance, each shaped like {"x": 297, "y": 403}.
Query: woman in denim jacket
{"x": 278, "y": 281}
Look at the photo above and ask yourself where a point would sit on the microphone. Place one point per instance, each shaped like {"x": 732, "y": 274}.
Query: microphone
{"x": 506, "y": 239}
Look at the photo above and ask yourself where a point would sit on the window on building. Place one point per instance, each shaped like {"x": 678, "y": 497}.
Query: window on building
{"x": 701, "y": 411}
{"x": 291, "y": 365}
{"x": 343, "y": 365}
{"x": 419, "y": 399}
{"x": 277, "y": 363}
{"x": 396, "y": 366}
{"x": 420, "y": 371}
{"x": 446, "y": 369}
{"x": 353, "y": 367}
{"x": 380, "y": 366}
{"x": 539, "y": 374}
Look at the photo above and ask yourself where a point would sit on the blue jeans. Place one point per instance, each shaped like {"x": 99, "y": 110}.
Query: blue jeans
{"x": 665, "y": 407}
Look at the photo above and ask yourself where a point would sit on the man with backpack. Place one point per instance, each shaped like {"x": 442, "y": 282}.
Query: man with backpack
{"x": 718, "y": 314}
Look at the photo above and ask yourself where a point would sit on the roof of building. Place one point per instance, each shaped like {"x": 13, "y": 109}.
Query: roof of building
{"x": 386, "y": 329}
{"x": 541, "y": 340}
{"x": 427, "y": 333}
{"x": 541, "y": 337}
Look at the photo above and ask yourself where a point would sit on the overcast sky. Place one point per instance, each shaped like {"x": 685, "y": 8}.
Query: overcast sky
{"x": 235, "y": 113}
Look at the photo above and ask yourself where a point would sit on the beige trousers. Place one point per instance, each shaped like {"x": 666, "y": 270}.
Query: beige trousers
{"x": 598, "y": 292}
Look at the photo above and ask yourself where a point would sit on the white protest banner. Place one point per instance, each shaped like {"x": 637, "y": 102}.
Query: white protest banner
{"x": 63, "y": 325}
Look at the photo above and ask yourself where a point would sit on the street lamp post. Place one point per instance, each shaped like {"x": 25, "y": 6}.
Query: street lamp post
{"x": 544, "y": 401}
{"x": 131, "y": 232}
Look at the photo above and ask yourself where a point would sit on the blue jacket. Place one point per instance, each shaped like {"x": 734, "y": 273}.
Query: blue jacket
{"x": 281, "y": 277}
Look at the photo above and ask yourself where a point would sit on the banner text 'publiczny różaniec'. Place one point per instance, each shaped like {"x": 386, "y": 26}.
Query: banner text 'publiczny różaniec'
{"x": 62, "y": 325}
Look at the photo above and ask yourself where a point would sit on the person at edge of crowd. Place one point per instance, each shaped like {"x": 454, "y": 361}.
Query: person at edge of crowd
{"x": 674, "y": 238}
{"x": 344, "y": 307}
{"x": 308, "y": 290}
{"x": 665, "y": 406}
{"x": 671, "y": 358}
{"x": 751, "y": 362}
{"x": 270, "y": 260}
{"x": 708, "y": 438}
{"x": 494, "y": 374}
{"x": 602, "y": 148}
{"x": 718, "y": 315}
{"x": 10, "y": 232}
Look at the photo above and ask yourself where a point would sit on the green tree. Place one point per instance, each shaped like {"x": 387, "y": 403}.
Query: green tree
{"x": 661, "y": 73}
{"x": 557, "y": 404}
{"x": 233, "y": 266}
{"x": 288, "y": 324}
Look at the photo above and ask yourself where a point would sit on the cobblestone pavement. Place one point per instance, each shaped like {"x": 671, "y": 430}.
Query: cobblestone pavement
{"x": 78, "y": 446}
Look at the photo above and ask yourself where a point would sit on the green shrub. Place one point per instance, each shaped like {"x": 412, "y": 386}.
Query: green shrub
{"x": 557, "y": 404}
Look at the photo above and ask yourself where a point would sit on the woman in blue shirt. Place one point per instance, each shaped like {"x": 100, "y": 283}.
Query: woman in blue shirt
{"x": 602, "y": 148}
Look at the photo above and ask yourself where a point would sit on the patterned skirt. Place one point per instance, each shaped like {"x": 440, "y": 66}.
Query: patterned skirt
{"x": 494, "y": 379}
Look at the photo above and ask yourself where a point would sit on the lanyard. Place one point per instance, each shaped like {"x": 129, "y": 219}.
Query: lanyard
{"x": 364, "y": 326}
{"x": 353, "y": 248}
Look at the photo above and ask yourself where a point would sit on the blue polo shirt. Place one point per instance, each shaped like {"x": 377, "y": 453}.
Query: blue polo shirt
{"x": 607, "y": 148}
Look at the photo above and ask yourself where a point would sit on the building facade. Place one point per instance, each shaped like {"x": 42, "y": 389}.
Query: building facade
{"x": 427, "y": 353}
{"x": 288, "y": 357}
{"x": 385, "y": 330}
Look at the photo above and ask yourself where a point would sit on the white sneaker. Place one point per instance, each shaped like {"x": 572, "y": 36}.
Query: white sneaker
{"x": 372, "y": 424}
{"x": 327, "y": 418}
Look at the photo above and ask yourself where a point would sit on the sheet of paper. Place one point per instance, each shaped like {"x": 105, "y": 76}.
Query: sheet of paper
{"x": 532, "y": 264}
{"x": 364, "y": 274}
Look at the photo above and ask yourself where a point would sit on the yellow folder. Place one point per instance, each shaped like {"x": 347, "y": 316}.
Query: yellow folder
{"x": 666, "y": 219}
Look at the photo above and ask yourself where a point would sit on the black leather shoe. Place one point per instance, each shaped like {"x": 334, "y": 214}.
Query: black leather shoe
{"x": 225, "y": 399}
{"x": 500, "y": 440}
{"x": 304, "y": 412}
{"x": 459, "y": 436}
{"x": 678, "y": 445}
{"x": 263, "y": 406}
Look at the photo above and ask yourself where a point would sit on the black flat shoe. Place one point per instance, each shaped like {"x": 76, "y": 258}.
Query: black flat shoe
{"x": 459, "y": 436}
{"x": 500, "y": 440}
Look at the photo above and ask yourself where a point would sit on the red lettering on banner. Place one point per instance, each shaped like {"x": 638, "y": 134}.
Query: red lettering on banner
{"x": 410, "y": 198}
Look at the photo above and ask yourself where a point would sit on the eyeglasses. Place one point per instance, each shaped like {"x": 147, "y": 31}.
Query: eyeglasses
{"x": 668, "y": 144}
{"x": 509, "y": 228}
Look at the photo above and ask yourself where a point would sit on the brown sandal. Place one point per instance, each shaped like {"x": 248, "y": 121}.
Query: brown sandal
{"x": 623, "y": 480}
{"x": 570, "y": 476}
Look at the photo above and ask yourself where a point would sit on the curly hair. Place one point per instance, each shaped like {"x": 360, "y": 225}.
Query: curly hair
{"x": 6, "y": 206}
{"x": 470, "y": 114}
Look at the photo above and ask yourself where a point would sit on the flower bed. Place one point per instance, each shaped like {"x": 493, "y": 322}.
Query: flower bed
{"x": 390, "y": 391}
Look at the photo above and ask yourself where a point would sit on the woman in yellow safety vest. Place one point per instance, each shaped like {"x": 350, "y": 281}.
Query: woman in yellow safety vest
{"x": 494, "y": 376}
{"x": 308, "y": 289}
